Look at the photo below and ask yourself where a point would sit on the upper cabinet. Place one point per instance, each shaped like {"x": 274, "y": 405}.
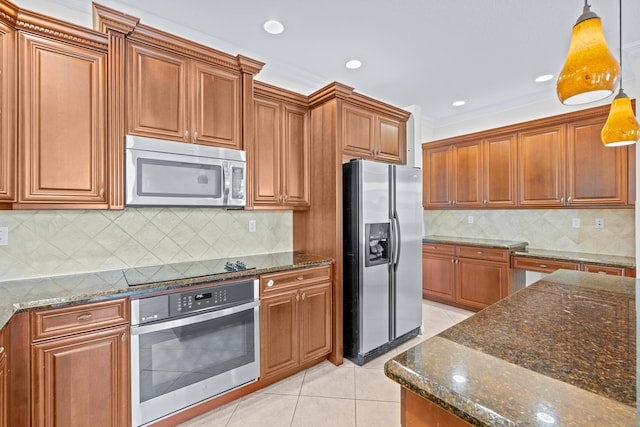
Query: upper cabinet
{"x": 279, "y": 156}
{"x": 368, "y": 134}
{"x": 170, "y": 96}
{"x": 8, "y": 107}
{"x": 548, "y": 163}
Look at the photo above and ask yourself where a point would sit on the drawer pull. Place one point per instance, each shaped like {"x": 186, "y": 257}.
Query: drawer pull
{"x": 83, "y": 317}
{"x": 1, "y": 350}
{"x": 479, "y": 252}
{"x": 270, "y": 283}
{"x": 300, "y": 278}
{"x": 303, "y": 296}
{"x": 543, "y": 265}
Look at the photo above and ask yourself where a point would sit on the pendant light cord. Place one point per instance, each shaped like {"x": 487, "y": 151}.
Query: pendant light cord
{"x": 620, "y": 45}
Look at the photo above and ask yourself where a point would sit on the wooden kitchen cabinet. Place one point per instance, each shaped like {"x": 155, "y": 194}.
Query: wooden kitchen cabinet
{"x": 295, "y": 320}
{"x": 367, "y": 134}
{"x": 171, "y": 96}
{"x": 469, "y": 277}
{"x": 438, "y": 172}
{"x": 8, "y": 111}
{"x": 3, "y": 382}
{"x": 80, "y": 365}
{"x": 439, "y": 273}
{"x": 499, "y": 171}
{"x": 62, "y": 136}
{"x": 279, "y": 157}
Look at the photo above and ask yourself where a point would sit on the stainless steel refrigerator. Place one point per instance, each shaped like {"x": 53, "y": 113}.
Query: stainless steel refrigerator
{"x": 383, "y": 223}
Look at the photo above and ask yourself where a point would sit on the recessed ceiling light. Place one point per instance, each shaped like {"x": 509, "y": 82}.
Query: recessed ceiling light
{"x": 458, "y": 103}
{"x": 273, "y": 27}
{"x": 544, "y": 78}
{"x": 353, "y": 64}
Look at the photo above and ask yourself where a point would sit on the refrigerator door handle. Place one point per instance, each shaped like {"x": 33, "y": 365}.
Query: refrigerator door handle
{"x": 397, "y": 240}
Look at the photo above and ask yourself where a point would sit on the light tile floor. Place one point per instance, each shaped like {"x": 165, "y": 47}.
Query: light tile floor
{"x": 328, "y": 395}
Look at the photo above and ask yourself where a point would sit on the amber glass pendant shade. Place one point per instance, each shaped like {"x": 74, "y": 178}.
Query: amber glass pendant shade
{"x": 590, "y": 71}
{"x": 621, "y": 127}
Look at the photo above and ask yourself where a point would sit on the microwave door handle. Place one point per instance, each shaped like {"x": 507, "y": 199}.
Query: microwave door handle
{"x": 225, "y": 182}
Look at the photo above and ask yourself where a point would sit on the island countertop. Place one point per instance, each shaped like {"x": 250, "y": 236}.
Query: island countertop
{"x": 561, "y": 352}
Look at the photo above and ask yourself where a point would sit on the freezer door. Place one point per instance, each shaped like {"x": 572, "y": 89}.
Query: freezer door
{"x": 408, "y": 275}
{"x": 374, "y": 300}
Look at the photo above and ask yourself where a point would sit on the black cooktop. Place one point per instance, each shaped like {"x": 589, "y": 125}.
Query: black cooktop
{"x": 184, "y": 270}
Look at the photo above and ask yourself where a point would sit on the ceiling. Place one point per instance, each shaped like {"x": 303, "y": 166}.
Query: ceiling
{"x": 414, "y": 52}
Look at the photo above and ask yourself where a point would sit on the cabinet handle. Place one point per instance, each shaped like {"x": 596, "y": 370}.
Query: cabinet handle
{"x": 300, "y": 278}
{"x": 484, "y": 202}
{"x": 123, "y": 337}
{"x": 569, "y": 200}
{"x": 186, "y": 135}
{"x": 270, "y": 283}
{"x": 562, "y": 200}
{"x": 303, "y": 296}
{"x": 195, "y": 136}
{"x": 286, "y": 197}
{"x": 543, "y": 265}
{"x": 452, "y": 260}
{"x": 1, "y": 350}
{"x": 83, "y": 317}
{"x": 454, "y": 202}
{"x": 479, "y": 252}
{"x": 297, "y": 297}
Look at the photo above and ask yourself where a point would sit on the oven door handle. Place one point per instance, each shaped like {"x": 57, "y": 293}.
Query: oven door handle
{"x": 190, "y": 320}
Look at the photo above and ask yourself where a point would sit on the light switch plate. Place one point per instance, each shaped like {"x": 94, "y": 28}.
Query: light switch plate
{"x": 575, "y": 223}
{"x": 4, "y": 236}
{"x": 599, "y": 222}
{"x": 252, "y": 226}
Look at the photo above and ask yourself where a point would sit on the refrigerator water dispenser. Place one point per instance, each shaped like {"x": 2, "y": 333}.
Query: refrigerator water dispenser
{"x": 377, "y": 241}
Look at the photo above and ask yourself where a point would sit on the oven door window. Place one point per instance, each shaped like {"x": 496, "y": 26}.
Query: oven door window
{"x": 174, "y": 358}
{"x": 164, "y": 178}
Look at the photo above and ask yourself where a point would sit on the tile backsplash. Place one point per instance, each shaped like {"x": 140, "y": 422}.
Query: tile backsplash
{"x": 55, "y": 242}
{"x": 543, "y": 229}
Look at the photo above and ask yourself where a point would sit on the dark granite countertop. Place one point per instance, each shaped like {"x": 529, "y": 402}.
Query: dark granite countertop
{"x": 486, "y": 243}
{"x": 17, "y": 295}
{"x": 600, "y": 259}
{"x": 561, "y": 352}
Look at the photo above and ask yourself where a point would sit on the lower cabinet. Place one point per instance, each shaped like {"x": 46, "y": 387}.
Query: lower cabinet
{"x": 543, "y": 265}
{"x": 295, "y": 320}
{"x": 81, "y": 379}
{"x": 3, "y": 383}
{"x": 467, "y": 276}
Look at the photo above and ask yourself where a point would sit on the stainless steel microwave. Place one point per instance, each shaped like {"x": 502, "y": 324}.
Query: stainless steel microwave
{"x": 167, "y": 173}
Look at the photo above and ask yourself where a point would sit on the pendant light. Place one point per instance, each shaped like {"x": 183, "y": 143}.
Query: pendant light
{"x": 590, "y": 71}
{"x": 621, "y": 127}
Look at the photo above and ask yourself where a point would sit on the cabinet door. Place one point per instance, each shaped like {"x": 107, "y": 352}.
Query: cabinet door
{"x": 391, "y": 137}
{"x": 315, "y": 321}
{"x": 541, "y": 167}
{"x": 157, "y": 93}
{"x": 596, "y": 175}
{"x": 267, "y": 188}
{"x": 467, "y": 174}
{"x": 438, "y": 278}
{"x": 357, "y": 132}
{"x": 62, "y": 122}
{"x": 481, "y": 283}
{"x": 296, "y": 156}
{"x": 82, "y": 380}
{"x": 279, "y": 345}
{"x": 8, "y": 106}
{"x": 499, "y": 171}
{"x": 3, "y": 387}
{"x": 437, "y": 185}
{"x": 215, "y": 106}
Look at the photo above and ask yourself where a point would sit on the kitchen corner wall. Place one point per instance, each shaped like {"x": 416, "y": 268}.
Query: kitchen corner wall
{"x": 543, "y": 229}
{"x": 53, "y": 242}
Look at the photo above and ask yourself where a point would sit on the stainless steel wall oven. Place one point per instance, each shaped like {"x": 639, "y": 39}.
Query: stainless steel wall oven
{"x": 191, "y": 345}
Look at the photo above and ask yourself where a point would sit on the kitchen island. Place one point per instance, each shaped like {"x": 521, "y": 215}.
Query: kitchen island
{"x": 561, "y": 352}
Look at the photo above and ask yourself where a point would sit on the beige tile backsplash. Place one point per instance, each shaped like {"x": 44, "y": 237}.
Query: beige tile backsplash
{"x": 55, "y": 242}
{"x": 543, "y": 229}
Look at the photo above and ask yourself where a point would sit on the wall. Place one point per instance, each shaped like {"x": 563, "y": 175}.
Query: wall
{"x": 55, "y": 242}
{"x": 543, "y": 229}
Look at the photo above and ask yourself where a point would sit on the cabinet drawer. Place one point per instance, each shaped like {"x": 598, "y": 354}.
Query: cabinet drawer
{"x": 541, "y": 265}
{"x": 488, "y": 254}
{"x": 603, "y": 269}
{"x": 78, "y": 318}
{"x": 274, "y": 282}
{"x": 437, "y": 248}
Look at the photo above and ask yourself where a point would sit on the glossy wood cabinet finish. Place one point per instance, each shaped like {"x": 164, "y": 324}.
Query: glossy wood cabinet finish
{"x": 295, "y": 320}
{"x": 370, "y": 135}
{"x": 171, "y": 96}
{"x": 469, "y": 277}
{"x": 80, "y": 365}
{"x": 8, "y": 111}
{"x": 3, "y": 382}
{"x": 542, "y": 265}
{"x": 554, "y": 162}
{"x": 279, "y": 156}
{"x": 416, "y": 411}
{"x": 62, "y": 122}
{"x": 602, "y": 269}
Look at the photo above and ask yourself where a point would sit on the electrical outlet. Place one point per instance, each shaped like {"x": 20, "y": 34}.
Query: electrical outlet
{"x": 252, "y": 226}
{"x": 4, "y": 236}
{"x": 575, "y": 223}
{"x": 599, "y": 222}
{"x": 470, "y": 219}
